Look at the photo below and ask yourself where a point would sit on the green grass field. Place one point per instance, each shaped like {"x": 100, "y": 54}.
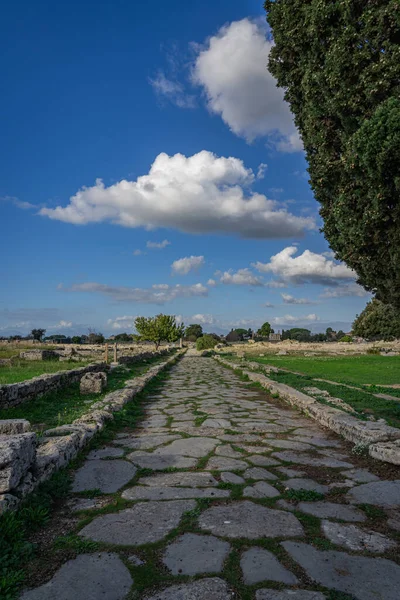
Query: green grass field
{"x": 66, "y": 405}
{"x": 26, "y": 369}
{"x": 363, "y": 369}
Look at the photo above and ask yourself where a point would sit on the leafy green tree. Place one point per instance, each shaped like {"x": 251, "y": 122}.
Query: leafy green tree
{"x": 340, "y": 334}
{"x": 161, "y": 328}
{"x": 194, "y": 331}
{"x": 123, "y": 337}
{"x": 338, "y": 61}
{"x": 265, "y": 330}
{"x": 76, "y": 339}
{"x": 297, "y": 333}
{"x": 206, "y": 342}
{"x": 95, "y": 337}
{"x": 378, "y": 321}
{"x": 38, "y": 334}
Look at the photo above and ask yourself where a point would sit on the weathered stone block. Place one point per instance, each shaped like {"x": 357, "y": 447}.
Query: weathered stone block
{"x": 93, "y": 383}
{"x": 14, "y": 426}
{"x": 17, "y": 453}
{"x": 387, "y": 451}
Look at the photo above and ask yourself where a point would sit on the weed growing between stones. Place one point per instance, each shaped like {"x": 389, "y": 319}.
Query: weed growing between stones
{"x": 75, "y": 543}
{"x": 303, "y": 495}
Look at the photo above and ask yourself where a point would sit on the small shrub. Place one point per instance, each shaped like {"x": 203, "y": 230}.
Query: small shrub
{"x": 346, "y": 338}
{"x": 303, "y": 495}
{"x": 206, "y": 342}
{"x": 360, "y": 449}
{"x": 373, "y": 350}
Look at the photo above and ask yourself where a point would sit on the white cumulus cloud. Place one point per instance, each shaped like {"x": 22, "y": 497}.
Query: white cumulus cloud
{"x": 232, "y": 69}
{"x": 288, "y": 299}
{"x": 169, "y": 88}
{"x": 126, "y": 322}
{"x": 308, "y": 267}
{"x": 211, "y": 283}
{"x": 183, "y": 266}
{"x": 202, "y": 193}
{"x": 240, "y": 277}
{"x": 158, "y": 245}
{"x": 341, "y": 291}
{"x": 203, "y": 319}
{"x": 291, "y": 320}
{"x": 156, "y": 294}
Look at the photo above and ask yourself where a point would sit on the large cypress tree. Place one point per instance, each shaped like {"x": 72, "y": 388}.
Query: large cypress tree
{"x": 339, "y": 62}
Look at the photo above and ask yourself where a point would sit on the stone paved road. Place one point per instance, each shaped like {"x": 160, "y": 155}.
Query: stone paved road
{"x": 231, "y": 495}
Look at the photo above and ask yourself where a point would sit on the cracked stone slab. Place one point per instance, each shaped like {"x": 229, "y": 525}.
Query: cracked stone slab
{"x": 360, "y": 475}
{"x": 306, "y": 484}
{"x": 145, "y": 442}
{"x": 106, "y": 475}
{"x": 262, "y": 461}
{"x": 289, "y": 595}
{"x": 222, "y": 463}
{"x": 92, "y": 576}
{"x": 330, "y": 510}
{"x": 180, "y": 479}
{"x": 354, "y": 538}
{"x": 307, "y": 459}
{"x": 378, "y": 493}
{"x": 259, "y": 565}
{"x": 203, "y": 589}
{"x": 289, "y": 444}
{"x": 227, "y": 450}
{"x": 105, "y": 453}
{"x": 227, "y": 477}
{"x": 158, "y": 462}
{"x": 171, "y": 493}
{"x": 192, "y": 554}
{"x": 144, "y": 523}
{"x": 217, "y": 423}
{"x": 259, "y": 473}
{"x": 363, "y": 577}
{"x": 195, "y": 447}
{"x": 261, "y": 490}
{"x": 291, "y": 472}
{"x": 249, "y": 520}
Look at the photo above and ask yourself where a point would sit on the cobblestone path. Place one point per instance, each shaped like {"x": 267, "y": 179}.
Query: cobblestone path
{"x": 224, "y": 493}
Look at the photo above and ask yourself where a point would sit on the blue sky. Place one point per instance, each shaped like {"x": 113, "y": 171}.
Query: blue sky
{"x": 149, "y": 164}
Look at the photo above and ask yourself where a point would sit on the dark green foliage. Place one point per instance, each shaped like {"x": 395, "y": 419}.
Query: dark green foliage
{"x": 38, "y": 334}
{"x": 161, "y": 328}
{"x": 265, "y": 330}
{"x": 206, "y": 342}
{"x": 303, "y": 495}
{"x": 378, "y": 321}
{"x": 338, "y": 61}
{"x": 194, "y": 331}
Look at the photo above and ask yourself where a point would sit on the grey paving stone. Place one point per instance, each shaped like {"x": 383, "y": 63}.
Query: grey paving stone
{"x": 145, "y": 442}
{"x": 180, "y": 479}
{"x": 222, "y": 463}
{"x": 145, "y": 522}
{"x": 135, "y": 560}
{"x": 306, "y": 484}
{"x": 171, "y": 493}
{"x": 363, "y": 577}
{"x": 289, "y": 444}
{"x": 249, "y": 520}
{"x": 90, "y": 576}
{"x": 262, "y": 461}
{"x": 291, "y": 472}
{"x": 360, "y": 475}
{"x": 192, "y": 554}
{"x": 195, "y": 446}
{"x": 160, "y": 462}
{"x": 227, "y": 450}
{"x": 106, "y": 475}
{"x": 301, "y": 458}
{"x": 289, "y": 595}
{"x": 394, "y": 520}
{"x": 227, "y": 477}
{"x": 285, "y": 505}
{"x": 260, "y": 490}
{"x": 203, "y": 589}
{"x": 330, "y": 510}
{"x": 105, "y": 453}
{"x": 259, "y": 565}
{"x": 259, "y": 473}
{"x": 378, "y": 493}
{"x": 354, "y": 538}
{"x": 217, "y": 423}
